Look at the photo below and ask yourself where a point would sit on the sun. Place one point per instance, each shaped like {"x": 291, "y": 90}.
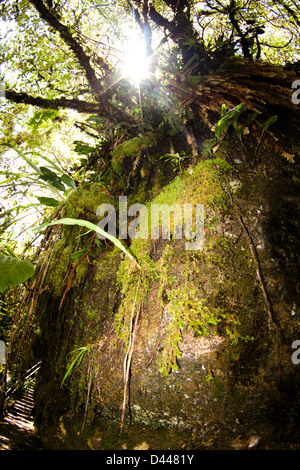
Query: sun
{"x": 136, "y": 62}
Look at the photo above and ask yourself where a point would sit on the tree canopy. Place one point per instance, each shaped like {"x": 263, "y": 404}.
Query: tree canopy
{"x": 74, "y": 87}
{"x": 70, "y": 54}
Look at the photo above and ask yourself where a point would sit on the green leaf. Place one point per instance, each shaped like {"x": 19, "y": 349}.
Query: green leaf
{"x": 231, "y": 117}
{"x": 48, "y": 160}
{"x": 50, "y": 177}
{"x": 14, "y": 271}
{"x": 253, "y": 116}
{"x": 239, "y": 132}
{"x": 7, "y": 250}
{"x": 16, "y": 208}
{"x": 83, "y": 149}
{"x": 77, "y": 361}
{"x": 96, "y": 119}
{"x": 91, "y": 226}
{"x": 48, "y": 201}
{"x": 223, "y": 110}
{"x": 46, "y": 171}
{"x": 41, "y": 117}
{"x": 269, "y": 122}
{"x": 53, "y": 181}
{"x": 68, "y": 181}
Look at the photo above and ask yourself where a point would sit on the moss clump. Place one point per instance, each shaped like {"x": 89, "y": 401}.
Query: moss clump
{"x": 131, "y": 148}
{"x": 202, "y": 184}
{"x": 187, "y": 312}
{"x": 84, "y": 201}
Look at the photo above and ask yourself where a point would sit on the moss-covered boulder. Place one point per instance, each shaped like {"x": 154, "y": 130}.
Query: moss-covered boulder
{"x": 187, "y": 349}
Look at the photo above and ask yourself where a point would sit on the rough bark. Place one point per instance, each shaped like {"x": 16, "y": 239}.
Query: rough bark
{"x": 78, "y": 105}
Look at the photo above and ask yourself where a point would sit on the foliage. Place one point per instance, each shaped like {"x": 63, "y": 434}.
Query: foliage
{"x": 91, "y": 226}
{"x": 77, "y": 65}
{"x": 230, "y": 118}
{"x": 62, "y": 67}
{"x": 81, "y": 352}
{"x": 133, "y": 148}
{"x": 14, "y": 271}
{"x": 50, "y": 180}
{"x": 265, "y": 126}
{"x": 78, "y": 53}
{"x": 176, "y": 159}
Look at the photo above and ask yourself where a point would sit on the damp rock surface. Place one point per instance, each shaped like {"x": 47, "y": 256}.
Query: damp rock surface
{"x": 210, "y": 360}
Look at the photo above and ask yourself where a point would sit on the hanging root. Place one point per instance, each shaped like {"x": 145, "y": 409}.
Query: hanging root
{"x": 134, "y": 321}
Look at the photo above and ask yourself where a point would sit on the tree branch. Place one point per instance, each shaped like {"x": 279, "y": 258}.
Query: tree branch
{"x": 84, "y": 61}
{"x": 78, "y": 105}
{"x": 243, "y": 36}
{"x": 159, "y": 20}
{"x": 181, "y": 30}
{"x": 144, "y": 27}
{"x": 68, "y": 38}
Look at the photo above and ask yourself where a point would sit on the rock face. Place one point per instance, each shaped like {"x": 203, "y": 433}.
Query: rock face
{"x": 185, "y": 349}
{"x": 193, "y": 351}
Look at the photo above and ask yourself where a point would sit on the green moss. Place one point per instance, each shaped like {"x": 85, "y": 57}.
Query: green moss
{"x": 188, "y": 307}
{"x": 159, "y": 181}
{"x": 109, "y": 263}
{"x": 134, "y": 286}
{"x": 202, "y": 185}
{"x": 130, "y": 148}
{"x": 85, "y": 200}
{"x": 82, "y": 203}
{"x": 191, "y": 309}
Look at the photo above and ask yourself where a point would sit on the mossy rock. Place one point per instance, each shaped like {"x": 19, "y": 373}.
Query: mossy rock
{"x": 206, "y": 360}
{"x": 84, "y": 201}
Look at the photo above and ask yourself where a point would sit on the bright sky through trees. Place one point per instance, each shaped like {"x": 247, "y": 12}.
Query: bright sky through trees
{"x": 65, "y": 62}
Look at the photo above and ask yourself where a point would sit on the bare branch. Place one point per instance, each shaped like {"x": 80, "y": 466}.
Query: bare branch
{"x": 289, "y": 10}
